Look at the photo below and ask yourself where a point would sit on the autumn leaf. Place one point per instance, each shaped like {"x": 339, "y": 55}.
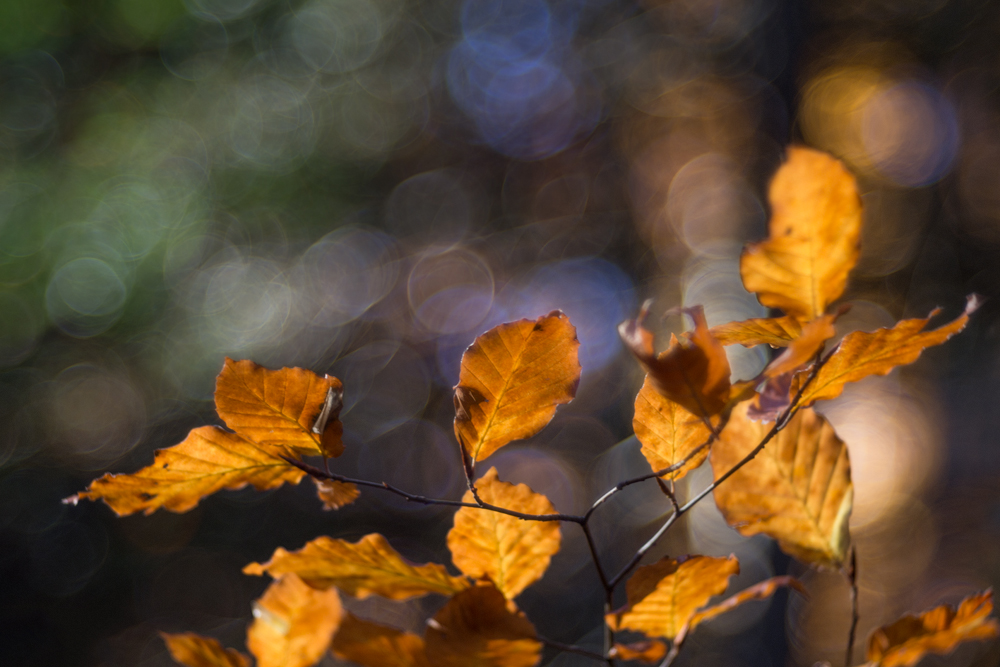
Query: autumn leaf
{"x": 797, "y": 490}
{"x": 195, "y": 651}
{"x": 937, "y": 630}
{"x": 479, "y": 628}
{"x": 759, "y": 591}
{"x": 649, "y": 652}
{"x": 815, "y": 230}
{"x": 773, "y": 331}
{"x": 290, "y": 407}
{"x": 861, "y": 354}
{"x": 374, "y": 645}
{"x": 511, "y": 380}
{"x": 693, "y": 371}
{"x": 334, "y": 494}
{"x": 668, "y": 432}
{"x": 512, "y": 553}
{"x": 293, "y": 624}
{"x": 664, "y": 595}
{"x": 367, "y": 567}
{"x": 208, "y": 460}
{"x": 801, "y": 350}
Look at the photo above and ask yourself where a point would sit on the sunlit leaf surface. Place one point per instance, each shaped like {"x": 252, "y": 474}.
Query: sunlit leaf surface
{"x": 773, "y": 331}
{"x": 193, "y": 650}
{"x": 373, "y": 645}
{"x": 293, "y": 624}
{"x": 668, "y": 432}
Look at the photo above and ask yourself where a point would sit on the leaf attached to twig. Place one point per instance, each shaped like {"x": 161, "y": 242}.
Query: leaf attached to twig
{"x": 668, "y": 432}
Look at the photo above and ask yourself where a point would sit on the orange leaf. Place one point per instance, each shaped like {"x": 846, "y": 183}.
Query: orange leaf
{"x": 668, "y": 432}
{"x": 367, "y": 567}
{"x": 773, "y": 331}
{"x": 649, "y": 652}
{"x": 511, "y": 380}
{"x": 195, "y": 651}
{"x": 861, "y": 354}
{"x": 937, "y": 630}
{"x": 693, "y": 371}
{"x": 815, "y": 233}
{"x": 335, "y": 494}
{"x": 802, "y": 349}
{"x": 479, "y": 628}
{"x": 512, "y": 553}
{"x": 290, "y": 407}
{"x": 797, "y": 490}
{"x": 293, "y": 624}
{"x": 664, "y": 595}
{"x": 374, "y": 645}
{"x": 208, "y": 460}
{"x": 759, "y": 591}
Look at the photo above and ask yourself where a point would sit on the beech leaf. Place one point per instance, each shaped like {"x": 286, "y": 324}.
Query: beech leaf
{"x": 759, "y": 591}
{"x": 668, "y": 432}
{"x": 293, "y": 624}
{"x": 814, "y": 241}
{"x": 937, "y": 630}
{"x": 511, "y": 380}
{"x": 194, "y": 650}
{"x": 512, "y": 553}
{"x": 374, "y": 645}
{"x": 334, "y": 494}
{"x": 801, "y": 350}
{"x": 208, "y": 460}
{"x": 650, "y": 652}
{"x": 797, "y": 490}
{"x": 369, "y": 566}
{"x": 773, "y": 331}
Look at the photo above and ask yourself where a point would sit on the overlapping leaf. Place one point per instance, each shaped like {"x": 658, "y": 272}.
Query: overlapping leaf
{"x": 650, "y": 652}
{"x": 479, "y": 628}
{"x": 195, "y": 651}
{"x": 290, "y": 407}
{"x": 773, "y": 331}
{"x": 511, "y": 380}
{"x": 374, "y": 645}
{"x": 208, "y": 460}
{"x": 815, "y": 230}
{"x": 937, "y": 630}
{"x": 334, "y": 494}
{"x": 797, "y": 490}
{"x": 663, "y": 596}
{"x": 668, "y": 432}
{"x": 512, "y": 553}
{"x": 801, "y": 350}
{"x": 368, "y": 567}
{"x": 293, "y": 624}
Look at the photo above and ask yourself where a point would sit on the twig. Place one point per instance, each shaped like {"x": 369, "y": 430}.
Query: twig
{"x": 569, "y": 648}
{"x": 852, "y": 577}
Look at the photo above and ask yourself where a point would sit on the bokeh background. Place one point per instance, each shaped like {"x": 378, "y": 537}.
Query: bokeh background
{"x": 360, "y": 187}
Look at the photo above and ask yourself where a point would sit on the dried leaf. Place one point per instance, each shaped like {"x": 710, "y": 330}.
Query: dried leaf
{"x": 801, "y": 350}
{"x": 479, "y": 628}
{"x": 693, "y": 371}
{"x": 937, "y": 630}
{"x": 773, "y": 331}
{"x": 759, "y": 591}
{"x": 773, "y": 399}
{"x": 797, "y": 490}
{"x": 815, "y": 233}
{"x": 335, "y": 494}
{"x": 193, "y": 650}
{"x": 668, "y": 432}
{"x": 293, "y": 624}
{"x": 290, "y": 407}
{"x": 664, "y": 595}
{"x": 512, "y": 553}
{"x": 649, "y": 652}
{"x": 367, "y": 567}
{"x": 861, "y": 354}
{"x": 374, "y": 645}
{"x": 208, "y": 460}
{"x": 511, "y": 380}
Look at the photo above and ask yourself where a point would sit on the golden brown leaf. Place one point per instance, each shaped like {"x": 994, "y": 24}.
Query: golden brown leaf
{"x": 664, "y": 595}
{"x": 367, "y": 567}
{"x": 512, "y": 553}
{"x": 797, "y": 490}
{"x": 773, "y": 331}
{"x": 649, "y": 652}
{"x": 374, "y": 645}
{"x": 815, "y": 230}
{"x": 668, "y": 432}
{"x": 693, "y": 371}
{"x": 801, "y": 350}
{"x": 511, "y": 380}
{"x": 193, "y": 650}
{"x": 937, "y": 630}
{"x": 335, "y": 494}
{"x": 479, "y": 628}
{"x": 208, "y": 460}
{"x": 759, "y": 591}
{"x": 293, "y": 624}
{"x": 861, "y": 354}
{"x": 290, "y": 407}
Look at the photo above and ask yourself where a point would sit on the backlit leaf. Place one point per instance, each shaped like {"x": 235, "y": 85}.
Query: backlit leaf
{"x": 759, "y": 591}
{"x": 374, "y": 645}
{"x": 937, "y": 630}
{"x": 649, "y": 652}
{"x": 334, "y": 494}
{"x": 208, "y": 460}
{"x": 293, "y": 624}
{"x": 773, "y": 331}
{"x": 193, "y": 650}
{"x": 668, "y": 432}
{"x": 664, "y": 595}
{"x": 290, "y": 407}
{"x": 368, "y": 567}
{"x": 479, "y": 628}
{"x": 801, "y": 350}
{"x": 797, "y": 490}
{"x": 512, "y": 553}
{"x": 511, "y": 380}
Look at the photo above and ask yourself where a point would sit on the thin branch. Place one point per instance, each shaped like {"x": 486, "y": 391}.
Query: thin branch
{"x": 569, "y": 648}
{"x": 852, "y": 578}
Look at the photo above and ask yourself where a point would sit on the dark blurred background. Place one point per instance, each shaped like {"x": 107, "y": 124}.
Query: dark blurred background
{"x": 360, "y": 187}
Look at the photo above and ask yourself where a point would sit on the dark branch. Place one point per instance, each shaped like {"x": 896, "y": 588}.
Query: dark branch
{"x": 569, "y": 648}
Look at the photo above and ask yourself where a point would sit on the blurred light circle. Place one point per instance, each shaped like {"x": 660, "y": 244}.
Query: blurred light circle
{"x": 544, "y": 473}
{"x": 437, "y": 205}
{"x": 910, "y": 133}
{"x": 223, "y": 10}
{"x": 20, "y": 326}
{"x": 64, "y": 558}
{"x": 194, "y": 49}
{"x": 450, "y": 291}
{"x": 336, "y": 36}
{"x": 247, "y": 302}
{"x": 271, "y": 122}
{"x": 85, "y": 297}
